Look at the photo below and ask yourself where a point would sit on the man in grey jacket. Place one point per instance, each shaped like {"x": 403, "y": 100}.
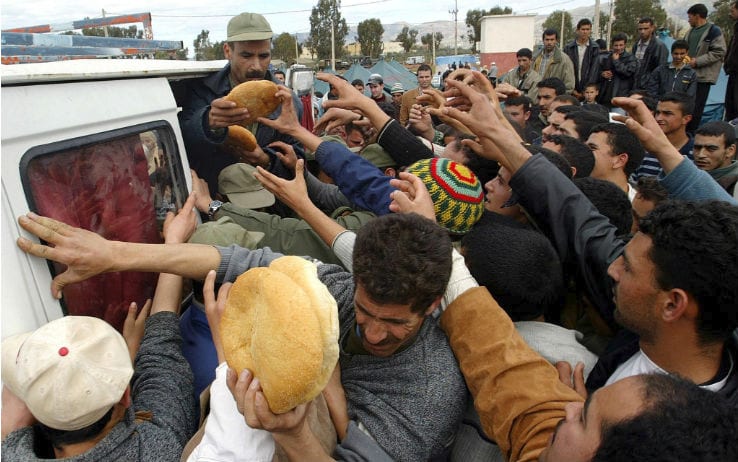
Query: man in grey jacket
{"x": 706, "y": 49}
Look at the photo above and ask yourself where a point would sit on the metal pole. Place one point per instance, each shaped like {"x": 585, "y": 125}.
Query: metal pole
{"x": 563, "y": 39}
{"x": 596, "y": 20}
{"x": 454, "y": 12}
{"x": 609, "y": 23}
{"x": 105, "y": 28}
{"x": 333, "y": 45}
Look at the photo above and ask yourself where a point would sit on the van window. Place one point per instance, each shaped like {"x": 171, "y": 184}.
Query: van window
{"x": 118, "y": 184}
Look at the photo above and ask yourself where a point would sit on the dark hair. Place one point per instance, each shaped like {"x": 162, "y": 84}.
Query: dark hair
{"x": 524, "y": 53}
{"x": 570, "y": 100}
{"x": 592, "y": 84}
{"x": 485, "y": 169}
{"x": 646, "y": 20}
{"x": 518, "y": 266}
{"x": 619, "y": 37}
{"x": 597, "y": 109}
{"x": 622, "y": 140}
{"x": 424, "y": 67}
{"x": 610, "y": 201}
{"x": 519, "y": 101}
{"x": 61, "y": 438}
{"x": 680, "y": 421}
{"x": 585, "y": 121}
{"x": 566, "y": 108}
{"x": 650, "y": 102}
{"x": 357, "y": 82}
{"x": 698, "y": 9}
{"x": 718, "y": 128}
{"x": 695, "y": 248}
{"x": 601, "y": 43}
{"x": 577, "y": 153}
{"x": 680, "y": 44}
{"x": 555, "y": 158}
{"x": 550, "y": 32}
{"x": 683, "y": 100}
{"x": 279, "y": 71}
{"x": 584, "y": 22}
{"x": 651, "y": 190}
{"x": 553, "y": 82}
{"x": 402, "y": 258}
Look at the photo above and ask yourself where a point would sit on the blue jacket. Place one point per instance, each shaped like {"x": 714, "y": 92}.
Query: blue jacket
{"x": 357, "y": 178}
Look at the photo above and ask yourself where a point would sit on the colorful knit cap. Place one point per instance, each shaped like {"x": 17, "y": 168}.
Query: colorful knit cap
{"x": 458, "y": 197}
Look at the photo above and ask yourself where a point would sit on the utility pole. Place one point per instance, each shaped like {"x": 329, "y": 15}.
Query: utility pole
{"x": 596, "y": 20}
{"x": 333, "y": 45}
{"x": 609, "y": 23}
{"x": 455, "y": 13}
{"x": 105, "y": 28}
{"x": 333, "y": 36}
{"x": 563, "y": 39}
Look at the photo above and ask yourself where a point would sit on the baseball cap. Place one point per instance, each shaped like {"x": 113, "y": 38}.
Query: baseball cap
{"x": 375, "y": 79}
{"x": 69, "y": 372}
{"x": 248, "y": 26}
{"x": 237, "y": 181}
{"x": 397, "y": 88}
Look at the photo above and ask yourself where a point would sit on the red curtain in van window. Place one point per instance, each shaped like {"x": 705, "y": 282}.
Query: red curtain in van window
{"x": 104, "y": 188}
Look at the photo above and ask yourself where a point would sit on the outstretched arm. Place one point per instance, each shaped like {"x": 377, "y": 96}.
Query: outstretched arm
{"x": 87, "y": 254}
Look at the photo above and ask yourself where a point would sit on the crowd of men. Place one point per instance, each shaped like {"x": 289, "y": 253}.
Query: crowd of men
{"x": 542, "y": 270}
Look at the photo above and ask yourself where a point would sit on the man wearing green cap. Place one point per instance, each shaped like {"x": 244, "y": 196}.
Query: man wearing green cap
{"x": 205, "y": 115}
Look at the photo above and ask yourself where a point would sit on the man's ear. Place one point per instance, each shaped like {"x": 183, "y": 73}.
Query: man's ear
{"x": 678, "y": 304}
{"x": 436, "y": 303}
{"x": 730, "y": 150}
{"x": 125, "y": 400}
{"x": 390, "y": 172}
{"x": 527, "y": 115}
{"x": 687, "y": 118}
{"x": 226, "y": 51}
{"x": 620, "y": 160}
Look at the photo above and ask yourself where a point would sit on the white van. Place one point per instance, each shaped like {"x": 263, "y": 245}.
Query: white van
{"x": 96, "y": 144}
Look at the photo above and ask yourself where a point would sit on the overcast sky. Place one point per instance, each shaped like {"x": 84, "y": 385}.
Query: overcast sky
{"x": 184, "y": 19}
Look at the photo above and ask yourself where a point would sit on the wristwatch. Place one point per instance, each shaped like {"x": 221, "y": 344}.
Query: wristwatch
{"x": 213, "y": 208}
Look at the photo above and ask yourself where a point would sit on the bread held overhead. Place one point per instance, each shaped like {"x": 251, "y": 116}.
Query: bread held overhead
{"x": 258, "y": 96}
{"x": 281, "y": 323}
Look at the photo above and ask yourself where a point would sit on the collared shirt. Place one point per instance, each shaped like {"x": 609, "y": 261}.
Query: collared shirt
{"x": 545, "y": 59}
{"x": 582, "y": 50}
{"x": 641, "y": 49}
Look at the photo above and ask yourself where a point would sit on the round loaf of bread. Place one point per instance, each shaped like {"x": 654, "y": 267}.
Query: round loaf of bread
{"x": 239, "y": 140}
{"x": 282, "y": 324}
{"x": 258, "y": 96}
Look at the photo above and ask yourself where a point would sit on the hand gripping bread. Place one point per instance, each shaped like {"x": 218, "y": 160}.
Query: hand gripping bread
{"x": 239, "y": 140}
{"x": 258, "y": 96}
{"x": 282, "y": 324}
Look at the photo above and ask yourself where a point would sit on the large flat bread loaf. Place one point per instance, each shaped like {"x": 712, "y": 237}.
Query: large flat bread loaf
{"x": 258, "y": 96}
{"x": 282, "y": 324}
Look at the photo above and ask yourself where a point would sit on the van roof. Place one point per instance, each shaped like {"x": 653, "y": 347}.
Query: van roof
{"x": 104, "y": 69}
